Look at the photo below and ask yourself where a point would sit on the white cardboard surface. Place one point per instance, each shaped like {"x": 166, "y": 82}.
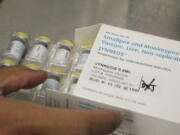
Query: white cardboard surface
{"x": 141, "y": 83}
{"x": 148, "y": 78}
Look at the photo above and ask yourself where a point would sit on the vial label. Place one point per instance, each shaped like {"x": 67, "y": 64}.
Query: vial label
{"x": 61, "y": 56}
{"x": 38, "y": 52}
{"x": 16, "y": 49}
{"x": 82, "y": 60}
{"x": 51, "y": 84}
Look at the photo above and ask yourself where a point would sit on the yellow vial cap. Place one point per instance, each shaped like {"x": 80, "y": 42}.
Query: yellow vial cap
{"x": 45, "y": 38}
{"x": 56, "y": 70}
{"x": 8, "y": 61}
{"x": 87, "y": 45}
{"x": 24, "y": 35}
{"x": 68, "y": 42}
{"x": 32, "y": 66}
{"x": 76, "y": 74}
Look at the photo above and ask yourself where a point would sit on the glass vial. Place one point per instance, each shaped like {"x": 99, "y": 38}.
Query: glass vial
{"x": 38, "y": 54}
{"x": 17, "y": 47}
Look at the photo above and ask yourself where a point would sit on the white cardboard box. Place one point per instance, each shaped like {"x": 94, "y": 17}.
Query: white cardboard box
{"x": 131, "y": 71}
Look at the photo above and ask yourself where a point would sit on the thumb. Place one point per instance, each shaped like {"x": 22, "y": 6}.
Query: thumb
{"x": 103, "y": 121}
{"x": 79, "y": 122}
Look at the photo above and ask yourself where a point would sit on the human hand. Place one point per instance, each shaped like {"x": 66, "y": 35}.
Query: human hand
{"x": 17, "y": 117}
{"x": 19, "y": 77}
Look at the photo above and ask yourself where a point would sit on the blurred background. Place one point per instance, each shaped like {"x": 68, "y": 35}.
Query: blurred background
{"x": 58, "y": 18}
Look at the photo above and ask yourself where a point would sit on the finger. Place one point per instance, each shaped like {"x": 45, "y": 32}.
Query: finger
{"x": 34, "y": 119}
{"x": 103, "y": 122}
{"x": 18, "y": 77}
{"x": 75, "y": 122}
{"x": 83, "y": 122}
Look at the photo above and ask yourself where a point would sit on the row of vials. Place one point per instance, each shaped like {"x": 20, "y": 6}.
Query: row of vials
{"x": 63, "y": 61}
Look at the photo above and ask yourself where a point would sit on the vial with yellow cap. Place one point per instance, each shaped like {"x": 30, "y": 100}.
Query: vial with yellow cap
{"x": 18, "y": 45}
{"x": 74, "y": 80}
{"x": 38, "y": 54}
{"x": 83, "y": 56}
{"x": 53, "y": 82}
{"x": 73, "y": 85}
{"x": 62, "y": 53}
